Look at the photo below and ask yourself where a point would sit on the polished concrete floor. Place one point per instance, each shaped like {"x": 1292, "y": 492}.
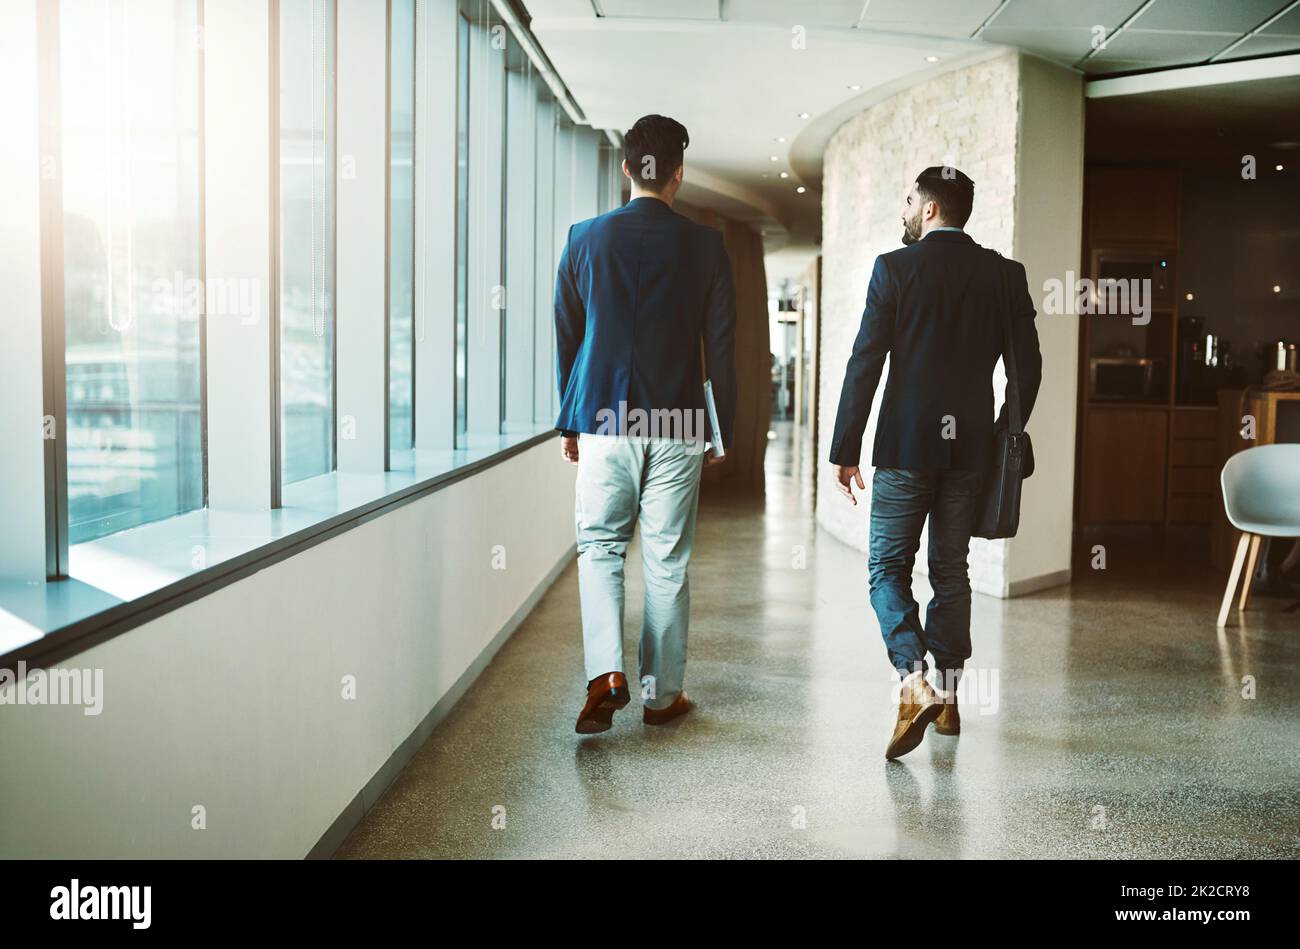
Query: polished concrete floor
{"x": 1117, "y": 727}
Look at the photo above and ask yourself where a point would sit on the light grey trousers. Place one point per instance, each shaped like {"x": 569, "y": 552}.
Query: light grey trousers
{"x": 622, "y": 482}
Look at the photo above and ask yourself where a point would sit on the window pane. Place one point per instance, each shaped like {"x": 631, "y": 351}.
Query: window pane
{"x": 562, "y": 208}
{"x": 520, "y": 237}
{"x": 401, "y": 242}
{"x": 543, "y": 262}
{"x": 306, "y": 237}
{"x": 485, "y": 292}
{"x": 129, "y": 76}
{"x": 462, "y": 227}
{"x": 603, "y": 202}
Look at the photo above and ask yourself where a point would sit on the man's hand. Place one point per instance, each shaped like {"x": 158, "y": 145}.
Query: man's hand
{"x": 569, "y": 448}
{"x": 710, "y": 459}
{"x": 845, "y": 475}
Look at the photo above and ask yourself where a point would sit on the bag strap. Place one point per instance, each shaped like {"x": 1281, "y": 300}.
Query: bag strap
{"x": 1014, "y": 418}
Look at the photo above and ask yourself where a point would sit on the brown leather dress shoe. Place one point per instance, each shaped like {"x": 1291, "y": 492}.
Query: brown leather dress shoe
{"x": 948, "y": 722}
{"x": 661, "y": 716}
{"x": 918, "y": 706}
{"x": 605, "y": 695}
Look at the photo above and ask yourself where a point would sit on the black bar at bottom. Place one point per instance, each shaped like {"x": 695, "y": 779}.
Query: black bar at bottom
{"x": 921, "y": 900}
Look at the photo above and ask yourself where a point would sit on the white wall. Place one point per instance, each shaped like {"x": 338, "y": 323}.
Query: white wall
{"x": 1049, "y": 241}
{"x": 1027, "y": 201}
{"x": 233, "y": 702}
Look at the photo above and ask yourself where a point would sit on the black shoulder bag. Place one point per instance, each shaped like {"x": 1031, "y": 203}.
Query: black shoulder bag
{"x": 1013, "y": 456}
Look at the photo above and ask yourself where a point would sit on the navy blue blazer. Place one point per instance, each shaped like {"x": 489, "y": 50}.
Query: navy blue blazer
{"x": 637, "y": 291}
{"x": 935, "y": 309}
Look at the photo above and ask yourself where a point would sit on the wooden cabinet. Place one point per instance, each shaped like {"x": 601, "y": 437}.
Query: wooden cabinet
{"x": 1140, "y": 462}
{"x": 1193, "y": 465}
{"x": 1124, "y": 464}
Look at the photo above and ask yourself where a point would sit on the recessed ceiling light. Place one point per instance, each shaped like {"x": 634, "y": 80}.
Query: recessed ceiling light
{"x": 1277, "y": 167}
{"x": 805, "y": 115}
{"x": 1190, "y": 295}
{"x": 785, "y": 174}
{"x": 772, "y": 158}
{"x": 855, "y": 87}
{"x": 801, "y": 189}
{"x": 1276, "y": 288}
{"x": 932, "y": 59}
{"x": 780, "y": 138}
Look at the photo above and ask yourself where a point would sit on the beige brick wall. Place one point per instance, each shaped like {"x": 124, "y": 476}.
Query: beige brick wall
{"x": 967, "y": 118}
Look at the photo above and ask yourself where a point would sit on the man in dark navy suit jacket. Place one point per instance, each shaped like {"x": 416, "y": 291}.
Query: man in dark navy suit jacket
{"x": 640, "y": 291}
{"x": 936, "y": 308}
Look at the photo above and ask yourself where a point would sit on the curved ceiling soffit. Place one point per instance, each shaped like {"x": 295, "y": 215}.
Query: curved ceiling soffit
{"x": 726, "y": 188}
{"x": 808, "y": 150}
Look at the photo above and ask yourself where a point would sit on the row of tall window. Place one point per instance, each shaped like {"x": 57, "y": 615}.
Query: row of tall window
{"x": 131, "y": 130}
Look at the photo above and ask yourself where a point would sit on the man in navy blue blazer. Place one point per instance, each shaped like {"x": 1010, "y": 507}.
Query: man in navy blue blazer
{"x": 936, "y": 308}
{"x": 642, "y": 294}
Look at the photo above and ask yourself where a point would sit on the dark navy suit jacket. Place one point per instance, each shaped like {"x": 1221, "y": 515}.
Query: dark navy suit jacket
{"x": 637, "y": 291}
{"x": 935, "y": 308}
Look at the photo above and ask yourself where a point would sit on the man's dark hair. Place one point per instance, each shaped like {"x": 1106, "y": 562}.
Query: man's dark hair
{"x": 653, "y": 150}
{"x": 952, "y": 190}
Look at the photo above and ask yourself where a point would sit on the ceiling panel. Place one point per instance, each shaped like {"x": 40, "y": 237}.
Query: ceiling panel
{"x": 1264, "y": 46}
{"x": 948, "y": 29}
{"x": 1164, "y": 49}
{"x": 1105, "y": 67}
{"x": 935, "y": 17}
{"x": 1207, "y": 16}
{"x": 1062, "y": 45}
{"x": 1288, "y": 23}
{"x": 836, "y": 13}
{"x": 661, "y": 9}
{"x": 541, "y": 8}
{"x": 1066, "y": 13}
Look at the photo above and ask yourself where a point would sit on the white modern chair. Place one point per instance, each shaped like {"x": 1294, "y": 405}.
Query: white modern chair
{"x": 1261, "y": 494}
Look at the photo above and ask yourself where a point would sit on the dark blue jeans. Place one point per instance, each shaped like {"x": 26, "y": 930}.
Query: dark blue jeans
{"x": 901, "y": 499}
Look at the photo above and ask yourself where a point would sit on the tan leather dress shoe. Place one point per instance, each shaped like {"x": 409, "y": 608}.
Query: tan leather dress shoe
{"x": 949, "y": 721}
{"x": 918, "y": 706}
{"x": 661, "y": 716}
{"x": 605, "y": 695}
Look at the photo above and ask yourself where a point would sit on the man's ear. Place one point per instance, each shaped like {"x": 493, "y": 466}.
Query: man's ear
{"x": 681, "y": 169}
{"x": 626, "y": 174}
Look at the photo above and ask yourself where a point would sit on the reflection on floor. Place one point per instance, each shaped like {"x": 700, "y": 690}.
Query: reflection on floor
{"x": 1118, "y": 727}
